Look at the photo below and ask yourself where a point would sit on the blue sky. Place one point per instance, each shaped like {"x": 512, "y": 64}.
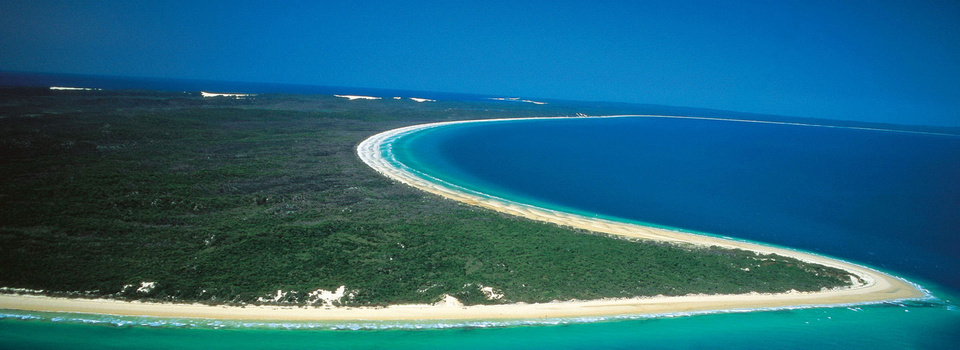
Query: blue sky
{"x": 885, "y": 61}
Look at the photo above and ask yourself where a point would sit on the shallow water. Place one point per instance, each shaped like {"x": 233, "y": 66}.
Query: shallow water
{"x": 885, "y": 326}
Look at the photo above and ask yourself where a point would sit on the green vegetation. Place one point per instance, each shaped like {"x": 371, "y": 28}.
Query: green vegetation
{"x": 226, "y": 201}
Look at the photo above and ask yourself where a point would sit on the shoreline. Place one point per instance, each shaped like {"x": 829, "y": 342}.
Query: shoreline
{"x": 877, "y": 286}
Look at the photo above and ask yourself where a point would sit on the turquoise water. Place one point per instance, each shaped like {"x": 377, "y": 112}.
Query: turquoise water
{"x": 736, "y": 165}
{"x": 887, "y": 326}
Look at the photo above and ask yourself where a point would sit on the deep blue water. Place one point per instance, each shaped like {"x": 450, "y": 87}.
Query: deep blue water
{"x": 883, "y": 198}
{"x": 887, "y": 199}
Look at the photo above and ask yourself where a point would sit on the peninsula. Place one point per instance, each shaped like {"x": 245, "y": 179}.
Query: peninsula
{"x": 183, "y": 206}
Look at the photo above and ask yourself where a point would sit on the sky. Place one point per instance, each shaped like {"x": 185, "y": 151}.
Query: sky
{"x": 881, "y": 61}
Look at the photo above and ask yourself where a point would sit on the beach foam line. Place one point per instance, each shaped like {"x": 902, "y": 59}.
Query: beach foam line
{"x": 776, "y": 123}
{"x": 515, "y": 99}
{"x": 376, "y": 152}
{"x": 196, "y": 322}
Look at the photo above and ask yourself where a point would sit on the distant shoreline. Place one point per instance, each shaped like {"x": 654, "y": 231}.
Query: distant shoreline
{"x": 878, "y": 286}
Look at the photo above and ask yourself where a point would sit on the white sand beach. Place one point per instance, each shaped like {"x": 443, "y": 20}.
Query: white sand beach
{"x": 876, "y": 287}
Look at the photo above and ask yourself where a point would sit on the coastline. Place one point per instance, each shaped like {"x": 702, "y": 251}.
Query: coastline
{"x": 878, "y": 286}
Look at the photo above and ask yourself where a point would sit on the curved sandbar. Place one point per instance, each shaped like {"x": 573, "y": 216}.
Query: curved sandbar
{"x": 878, "y": 286}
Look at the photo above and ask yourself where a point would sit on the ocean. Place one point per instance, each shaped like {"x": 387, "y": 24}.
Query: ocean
{"x": 885, "y": 198}
{"x": 859, "y": 194}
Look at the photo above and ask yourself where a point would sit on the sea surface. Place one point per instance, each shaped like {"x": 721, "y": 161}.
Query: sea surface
{"x": 886, "y": 198}
{"x": 883, "y": 198}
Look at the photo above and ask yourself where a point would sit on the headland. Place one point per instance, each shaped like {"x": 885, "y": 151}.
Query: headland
{"x": 869, "y": 286}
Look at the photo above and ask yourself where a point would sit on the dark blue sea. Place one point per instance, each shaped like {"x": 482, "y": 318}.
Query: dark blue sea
{"x": 885, "y": 198}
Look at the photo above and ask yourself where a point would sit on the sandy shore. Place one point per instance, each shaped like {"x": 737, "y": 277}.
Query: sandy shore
{"x": 878, "y": 286}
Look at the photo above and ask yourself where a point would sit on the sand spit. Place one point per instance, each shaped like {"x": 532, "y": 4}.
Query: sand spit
{"x": 876, "y": 287}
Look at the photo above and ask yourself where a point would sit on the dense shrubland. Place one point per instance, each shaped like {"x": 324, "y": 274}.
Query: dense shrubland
{"x": 228, "y": 201}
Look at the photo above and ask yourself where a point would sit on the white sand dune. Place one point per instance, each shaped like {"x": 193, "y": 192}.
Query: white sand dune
{"x": 68, "y": 88}
{"x": 221, "y": 94}
{"x": 357, "y": 97}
